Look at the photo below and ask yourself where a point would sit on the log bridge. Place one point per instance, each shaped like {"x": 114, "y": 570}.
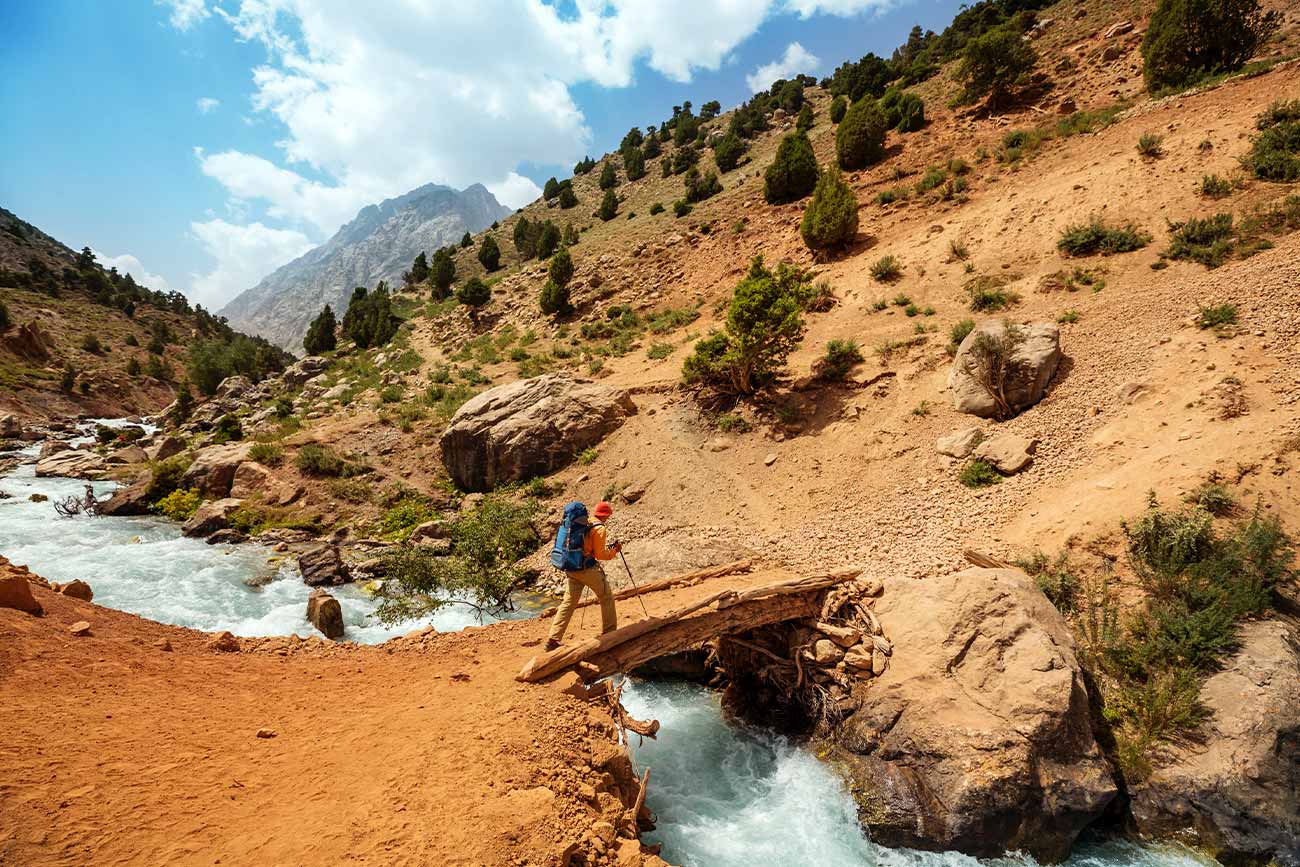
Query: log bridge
{"x": 722, "y": 613}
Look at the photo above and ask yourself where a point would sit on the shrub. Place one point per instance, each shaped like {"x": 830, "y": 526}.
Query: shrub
{"x": 993, "y": 63}
{"x": 804, "y": 121}
{"x": 860, "y": 138}
{"x": 1150, "y": 145}
{"x": 886, "y": 269}
{"x": 90, "y": 343}
{"x": 831, "y": 218}
{"x": 489, "y": 254}
{"x": 841, "y": 356}
{"x": 269, "y": 454}
{"x": 561, "y": 268}
{"x": 700, "y": 187}
{"x": 634, "y": 164}
{"x": 179, "y": 505}
{"x": 474, "y": 293}
{"x": 227, "y": 430}
{"x": 133, "y": 367}
{"x": 548, "y": 239}
{"x": 5, "y": 321}
{"x": 320, "y": 461}
{"x": 764, "y": 325}
{"x": 608, "y": 206}
{"x": 1055, "y": 578}
{"x": 1093, "y": 237}
{"x": 554, "y": 299}
{"x": 978, "y": 474}
{"x": 1275, "y": 152}
{"x": 659, "y": 351}
{"x": 442, "y": 273}
{"x": 608, "y": 176}
{"x": 569, "y": 199}
{"x": 166, "y": 477}
{"x": 1217, "y": 316}
{"x": 656, "y": 208}
{"x": 989, "y": 294}
{"x": 1215, "y": 187}
{"x": 1214, "y": 497}
{"x": 888, "y": 197}
{"x": 839, "y": 105}
{"x": 1209, "y": 241}
{"x": 957, "y": 250}
{"x": 1187, "y": 40}
{"x": 131, "y": 339}
{"x": 728, "y": 151}
{"x": 957, "y": 333}
{"x": 1069, "y": 317}
{"x": 369, "y": 320}
{"x": 793, "y": 174}
{"x": 904, "y": 111}
{"x": 320, "y": 334}
{"x": 933, "y": 177}
{"x": 681, "y": 208}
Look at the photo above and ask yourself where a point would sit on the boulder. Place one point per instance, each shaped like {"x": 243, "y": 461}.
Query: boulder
{"x": 634, "y": 491}
{"x": 976, "y": 737}
{"x": 213, "y": 470}
{"x": 325, "y": 613}
{"x": 77, "y": 589}
{"x": 226, "y": 536}
{"x": 323, "y": 565}
{"x": 224, "y": 642}
{"x": 75, "y": 464}
{"x": 131, "y": 454}
{"x": 29, "y": 341}
{"x": 53, "y": 447}
{"x": 131, "y": 500}
{"x": 255, "y": 480}
{"x": 10, "y": 427}
{"x": 298, "y": 374}
{"x": 1007, "y": 452}
{"x": 1033, "y": 361}
{"x": 528, "y": 428}
{"x": 167, "y": 447}
{"x": 435, "y": 529}
{"x": 1235, "y": 787}
{"x": 212, "y": 516}
{"x": 80, "y": 629}
{"x": 826, "y": 652}
{"x": 959, "y": 444}
{"x": 16, "y": 592}
{"x": 235, "y": 388}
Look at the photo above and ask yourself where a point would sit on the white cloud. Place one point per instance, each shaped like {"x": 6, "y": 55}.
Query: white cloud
{"x": 515, "y": 190}
{"x": 809, "y": 8}
{"x": 244, "y": 254}
{"x": 796, "y": 59}
{"x": 128, "y": 264}
{"x": 185, "y": 13}
{"x": 206, "y": 104}
{"x": 287, "y": 194}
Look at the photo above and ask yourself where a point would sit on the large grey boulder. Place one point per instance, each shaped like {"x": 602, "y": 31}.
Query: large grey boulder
{"x": 1236, "y": 786}
{"x": 1032, "y": 362}
{"x": 213, "y": 470}
{"x": 325, "y": 613}
{"x": 323, "y": 566}
{"x": 977, "y": 736}
{"x": 212, "y": 516}
{"x": 529, "y": 428}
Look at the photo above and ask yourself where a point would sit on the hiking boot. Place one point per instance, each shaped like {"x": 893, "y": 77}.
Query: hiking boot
{"x": 551, "y": 644}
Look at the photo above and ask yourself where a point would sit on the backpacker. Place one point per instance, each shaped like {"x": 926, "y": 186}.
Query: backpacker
{"x": 567, "y": 555}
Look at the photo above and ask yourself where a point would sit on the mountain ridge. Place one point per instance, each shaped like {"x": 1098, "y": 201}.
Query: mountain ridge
{"x": 377, "y": 244}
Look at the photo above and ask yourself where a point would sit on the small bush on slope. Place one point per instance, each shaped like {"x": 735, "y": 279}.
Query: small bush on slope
{"x": 793, "y": 174}
{"x": 831, "y": 218}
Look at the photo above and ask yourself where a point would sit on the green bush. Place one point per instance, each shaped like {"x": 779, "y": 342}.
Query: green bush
{"x": 804, "y": 121}
{"x": 5, "y": 321}
{"x": 1093, "y": 237}
{"x": 994, "y": 63}
{"x": 841, "y": 357}
{"x": 269, "y": 454}
{"x": 90, "y": 343}
{"x": 320, "y": 334}
{"x": 1056, "y": 578}
{"x": 634, "y": 164}
{"x": 489, "y": 254}
{"x": 227, "y": 430}
{"x": 1214, "y": 497}
{"x": 179, "y": 505}
{"x": 793, "y": 174}
{"x": 1215, "y": 187}
{"x": 608, "y": 206}
{"x": 474, "y": 293}
{"x": 886, "y": 269}
{"x": 934, "y": 176}
{"x": 554, "y": 299}
{"x": 957, "y": 333}
{"x": 1187, "y": 40}
{"x": 728, "y": 151}
{"x": 561, "y": 268}
{"x": 860, "y": 138}
{"x": 656, "y": 208}
{"x": 165, "y": 477}
{"x": 839, "y": 105}
{"x": 681, "y": 208}
{"x": 904, "y": 111}
{"x": 700, "y": 187}
{"x": 1150, "y": 145}
{"x": 989, "y": 294}
{"x": 1217, "y": 316}
{"x": 764, "y": 325}
{"x": 1275, "y": 152}
{"x": 831, "y": 218}
{"x": 1209, "y": 241}
{"x": 659, "y": 351}
{"x": 608, "y": 176}
{"x": 442, "y": 273}
{"x": 979, "y": 474}
{"x": 369, "y": 320}
{"x": 320, "y": 461}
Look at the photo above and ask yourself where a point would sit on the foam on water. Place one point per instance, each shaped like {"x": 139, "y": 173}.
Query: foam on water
{"x": 730, "y": 796}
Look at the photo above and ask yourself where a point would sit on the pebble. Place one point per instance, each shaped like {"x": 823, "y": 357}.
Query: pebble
{"x": 80, "y": 628}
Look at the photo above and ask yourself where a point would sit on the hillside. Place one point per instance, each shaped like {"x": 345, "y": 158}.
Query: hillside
{"x": 378, "y": 245}
{"x": 76, "y": 339}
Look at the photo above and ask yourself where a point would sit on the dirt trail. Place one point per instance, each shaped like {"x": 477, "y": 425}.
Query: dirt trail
{"x": 423, "y": 750}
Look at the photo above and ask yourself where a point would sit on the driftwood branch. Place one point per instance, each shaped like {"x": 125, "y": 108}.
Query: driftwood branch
{"x": 984, "y": 561}
{"x": 737, "y": 568}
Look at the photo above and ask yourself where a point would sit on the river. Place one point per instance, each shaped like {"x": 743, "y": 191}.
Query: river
{"x": 725, "y": 795}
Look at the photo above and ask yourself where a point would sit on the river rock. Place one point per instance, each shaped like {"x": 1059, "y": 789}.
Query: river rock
{"x": 165, "y": 448}
{"x": 16, "y": 593}
{"x": 77, "y": 589}
{"x": 226, "y": 536}
{"x": 211, "y": 516}
{"x": 323, "y": 565}
{"x": 53, "y": 447}
{"x": 528, "y": 428}
{"x": 1009, "y": 453}
{"x": 255, "y": 480}
{"x": 224, "y": 642}
{"x": 131, "y": 500}
{"x": 325, "y": 613}
{"x": 10, "y": 427}
{"x": 1033, "y": 362}
{"x": 80, "y": 629}
{"x": 959, "y": 444}
{"x": 213, "y": 470}
{"x": 1235, "y": 787}
{"x": 977, "y": 736}
{"x": 131, "y": 454}
{"x": 75, "y": 464}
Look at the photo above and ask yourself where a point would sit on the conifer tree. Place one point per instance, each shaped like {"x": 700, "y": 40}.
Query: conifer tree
{"x": 489, "y": 255}
{"x": 320, "y": 334}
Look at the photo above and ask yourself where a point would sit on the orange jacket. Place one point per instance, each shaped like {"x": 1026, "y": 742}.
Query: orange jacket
{"x": 593, "y": 545}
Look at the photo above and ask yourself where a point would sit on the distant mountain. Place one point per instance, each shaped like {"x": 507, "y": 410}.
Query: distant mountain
{"x": 378, "y": 244}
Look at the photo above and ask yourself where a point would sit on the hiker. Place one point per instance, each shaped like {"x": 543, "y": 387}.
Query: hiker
{"x": 579, "y": 547}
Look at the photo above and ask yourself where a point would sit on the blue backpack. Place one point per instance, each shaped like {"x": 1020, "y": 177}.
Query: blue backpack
{"x": 567, "y": 555}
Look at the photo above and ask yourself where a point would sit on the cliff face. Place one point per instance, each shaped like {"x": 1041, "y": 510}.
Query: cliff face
{"x": 378, "y": 244}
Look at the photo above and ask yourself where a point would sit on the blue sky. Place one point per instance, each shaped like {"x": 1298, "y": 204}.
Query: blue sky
{"x": 201, "y": 144}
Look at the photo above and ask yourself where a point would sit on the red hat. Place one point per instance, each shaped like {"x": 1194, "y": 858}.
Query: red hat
{"x": 603, "y": 510}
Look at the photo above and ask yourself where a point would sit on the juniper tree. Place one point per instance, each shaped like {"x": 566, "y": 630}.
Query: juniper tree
{"x": 474, "y": 293}
{"x": 793, "y": 174}
{"x": 442, "y": 273}
{"x": 860, "y": 139}
{"x": 831, "y": 218}
{"x": 320, "y": 334}
{"x": 489, "y": 255}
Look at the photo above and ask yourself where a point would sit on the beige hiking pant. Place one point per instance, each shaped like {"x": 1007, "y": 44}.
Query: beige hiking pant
{"x": 593, "y": 578}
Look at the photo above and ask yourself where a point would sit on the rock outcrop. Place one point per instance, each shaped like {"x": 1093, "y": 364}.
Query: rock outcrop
{"x": 131, "y": 500}
{"x": 1034, "y": 355}
{"x": 1237, "y": 787}
{"x": 325, "y": 613}
{"x": 16, "y": 592}
{"x": 529, "y": 428}
{"x": 213, "y": 470}
{"x": 255, "y": 480}
{"x": 74, "y": 464}
{"x": 323, "y": 566}
{"x": 168, "y": 446}
{"x": 977, "y": 736}
{"x": 211, "y": 517}
{"x": 1008, "y": 453}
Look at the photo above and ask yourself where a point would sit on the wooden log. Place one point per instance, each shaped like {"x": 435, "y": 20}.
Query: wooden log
{"x": 737, "y": 567}
{"x": 984, "y": 561}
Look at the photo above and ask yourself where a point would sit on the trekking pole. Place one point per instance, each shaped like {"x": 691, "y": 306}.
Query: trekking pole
{"x": 582, "y": 617}
{"x": 633, "y": 580}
